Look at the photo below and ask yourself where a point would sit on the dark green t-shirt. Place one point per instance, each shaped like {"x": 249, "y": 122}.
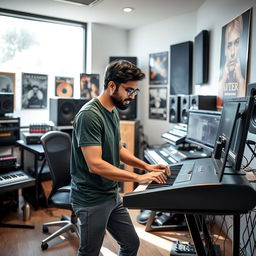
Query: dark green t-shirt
{"x": 94, "y": 125}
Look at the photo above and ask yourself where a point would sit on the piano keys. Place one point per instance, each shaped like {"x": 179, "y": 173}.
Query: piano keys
{"x": 197, "y": 190}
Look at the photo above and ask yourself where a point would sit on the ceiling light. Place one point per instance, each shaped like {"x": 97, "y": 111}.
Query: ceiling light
{"x": 128, "y": 9}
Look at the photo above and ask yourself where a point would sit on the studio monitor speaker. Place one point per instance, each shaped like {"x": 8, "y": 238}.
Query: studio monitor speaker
{"x": 184, "y": 108}
{"x": 63, "y": 110}
{"x": 251, "y": 90}
{"x": 174, "y": 109}
{"x": 181, "y": 58}
{"x": 130, "y": 113}
{"x": 6, "y": 103}
{"x": 205, "y": 102}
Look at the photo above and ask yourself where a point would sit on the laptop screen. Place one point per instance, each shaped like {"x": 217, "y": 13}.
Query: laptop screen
{"x": 203, "y": 127}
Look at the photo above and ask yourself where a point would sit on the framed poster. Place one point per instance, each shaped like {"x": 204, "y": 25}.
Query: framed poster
{"x": 89, "y": 85}
{"x": 64, "y": 86}
{"x": 234, "y": 58}
{"x": 158, "y": 68}
{"x": 34, "y": 91}
{"x": 7, "y": 82}
{"x": 157, "y": 103}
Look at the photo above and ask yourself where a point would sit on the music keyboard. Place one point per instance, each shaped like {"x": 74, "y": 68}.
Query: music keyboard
{"x": 15, "y": 179}
{"x": 12, "y": 177}
{"x": 201, "y": 193}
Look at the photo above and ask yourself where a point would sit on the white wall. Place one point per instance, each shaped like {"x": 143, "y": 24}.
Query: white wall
{"x": 106, "y": 41}
{"x": 154, "y": 38}
{"x": 158, "y": 37}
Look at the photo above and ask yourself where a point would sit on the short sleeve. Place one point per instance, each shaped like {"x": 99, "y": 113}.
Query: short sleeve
{"x": 88, "y": 129}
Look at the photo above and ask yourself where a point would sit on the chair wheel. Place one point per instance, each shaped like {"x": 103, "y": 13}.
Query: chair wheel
{"x": 45, "y": 229}
{"x": 44, "y": 246}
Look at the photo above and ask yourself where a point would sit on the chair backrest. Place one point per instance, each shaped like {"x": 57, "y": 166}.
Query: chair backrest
{"x": 57, "y": 148}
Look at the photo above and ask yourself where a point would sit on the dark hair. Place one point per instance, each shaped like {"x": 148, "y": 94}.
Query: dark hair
{"x": 122, "y": 71}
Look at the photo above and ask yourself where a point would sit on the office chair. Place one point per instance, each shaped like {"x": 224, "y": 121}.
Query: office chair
{"x": 57, "y": 147}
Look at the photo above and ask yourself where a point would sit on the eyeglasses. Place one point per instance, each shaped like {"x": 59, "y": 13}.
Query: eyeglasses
{"x": 131, "y": 91}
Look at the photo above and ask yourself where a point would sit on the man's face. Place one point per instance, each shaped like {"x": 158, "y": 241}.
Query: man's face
{"x": 232, "y": 49}
{"x": 122, "y": 97}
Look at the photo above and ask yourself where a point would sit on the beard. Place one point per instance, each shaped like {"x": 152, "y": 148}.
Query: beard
{"x": 120, "y": 103}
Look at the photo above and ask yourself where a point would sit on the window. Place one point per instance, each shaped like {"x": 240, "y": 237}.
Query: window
{"x": 41, "y": 45}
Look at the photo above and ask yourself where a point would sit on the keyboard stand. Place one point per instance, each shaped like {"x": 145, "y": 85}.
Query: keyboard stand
{"x": 17, "y": 186}
{"x": 152, "y": 228}
{"x": 5, "y": 225}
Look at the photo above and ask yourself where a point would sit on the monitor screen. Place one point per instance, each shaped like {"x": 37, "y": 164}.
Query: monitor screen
{"x": 203, "y": 127}
{"x": 236, "y": 151}
{"x": 232, "y": 133}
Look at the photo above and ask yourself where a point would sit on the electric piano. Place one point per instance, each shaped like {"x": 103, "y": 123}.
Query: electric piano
{"x": 15, "y": 180}
{"x": 195, "y": 188}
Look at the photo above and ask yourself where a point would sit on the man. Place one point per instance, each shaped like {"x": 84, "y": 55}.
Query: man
{"x": 96, "y": 154}
{"x": 232, "y": 82}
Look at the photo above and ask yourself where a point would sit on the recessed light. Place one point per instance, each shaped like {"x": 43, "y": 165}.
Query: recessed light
{"x": 128, "y": 9}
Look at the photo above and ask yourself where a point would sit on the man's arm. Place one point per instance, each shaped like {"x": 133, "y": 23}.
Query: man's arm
{"x": 93, "y": 158}
{"x": 129, "y": 159}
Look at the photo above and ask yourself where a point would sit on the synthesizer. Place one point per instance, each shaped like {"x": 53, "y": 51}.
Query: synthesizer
{"x": 196, "y": 189}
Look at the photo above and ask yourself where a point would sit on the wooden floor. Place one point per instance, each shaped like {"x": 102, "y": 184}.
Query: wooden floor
{"x": 26, "y": 242}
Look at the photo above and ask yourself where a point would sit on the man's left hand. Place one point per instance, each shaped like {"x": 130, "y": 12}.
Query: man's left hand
{"x": 159, "y": 168}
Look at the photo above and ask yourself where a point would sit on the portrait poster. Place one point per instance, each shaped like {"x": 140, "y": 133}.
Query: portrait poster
{"x": 64, "y": 86}
{"x": 157, "y": 103}
{"x": 7, "y": 82}
{"x": 234, "y": 58}
{"x": 34, "y": 91}
{"x": 158, "y": 68}
{"x": 89, "y": 85}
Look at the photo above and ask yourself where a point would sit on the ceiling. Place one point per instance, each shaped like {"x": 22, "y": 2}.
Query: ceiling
{"x": 108, "y": 11}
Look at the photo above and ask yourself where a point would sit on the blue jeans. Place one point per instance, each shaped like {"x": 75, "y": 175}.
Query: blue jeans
{"x": 109, "y": 215}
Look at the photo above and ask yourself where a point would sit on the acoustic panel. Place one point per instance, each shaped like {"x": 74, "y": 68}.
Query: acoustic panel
{"x": 132, "y": 59}
{"x": 201, "y": 55}
{"x": 181, "y": 57}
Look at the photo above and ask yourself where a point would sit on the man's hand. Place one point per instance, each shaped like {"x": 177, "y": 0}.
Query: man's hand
{"x": 159, "y": 168}
{"x": 158, "y": 177}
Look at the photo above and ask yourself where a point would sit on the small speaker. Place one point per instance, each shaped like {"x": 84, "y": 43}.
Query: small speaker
{"x": 63, "y": 110}
{"x": 6, "y": 103}
{"x": 251, "y": 91}
{"x": 132, "y": 59}
{"x": 201, "y": 54}
{"x": 130, "y": 113}
{"x": 184, "y": 108}
{"x": 181, "y": 58}
{"x": 174, "y": 109}
{"x": 205, "y": 102}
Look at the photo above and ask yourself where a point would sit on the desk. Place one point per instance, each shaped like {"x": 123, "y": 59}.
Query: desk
{"x": 14, "y": 186}
{"x": 38, "y": 152}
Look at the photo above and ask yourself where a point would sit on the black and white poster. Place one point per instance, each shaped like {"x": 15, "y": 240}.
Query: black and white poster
{"x": 7, "y": 82}
{"x": 34, "y": 91}
{"x": 157, "y": 103}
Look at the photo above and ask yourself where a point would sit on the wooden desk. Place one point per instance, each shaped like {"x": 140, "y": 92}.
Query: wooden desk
{"x": 128, "y": 130}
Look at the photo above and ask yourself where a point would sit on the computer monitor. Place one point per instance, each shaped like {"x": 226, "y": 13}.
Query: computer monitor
{"x": 232, "y": 133}
{"x": 203, "y": 127}
{"x": 236, "y": 151}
